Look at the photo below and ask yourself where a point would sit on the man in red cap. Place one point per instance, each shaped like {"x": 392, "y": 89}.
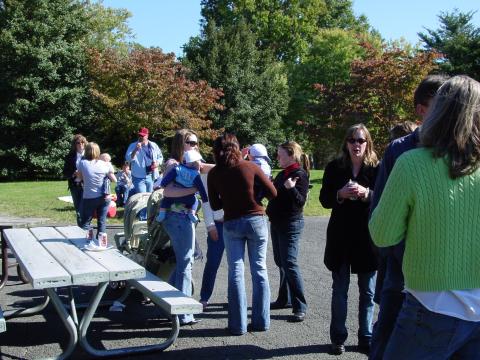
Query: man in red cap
{"x": 144, "y": 157}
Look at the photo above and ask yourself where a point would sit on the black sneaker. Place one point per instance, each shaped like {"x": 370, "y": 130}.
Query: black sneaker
{"x": 337, "y": 349}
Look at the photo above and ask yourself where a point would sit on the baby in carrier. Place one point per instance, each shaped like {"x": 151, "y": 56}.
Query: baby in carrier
{"x": 186, "y": 175}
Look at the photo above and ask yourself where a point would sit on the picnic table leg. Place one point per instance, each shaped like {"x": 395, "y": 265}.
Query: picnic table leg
{"x": 4, "y": 262}
{"x": 73, "y": 308}
{"x": 67, "y": 320}
{"x": 27, "y": 311}
{"x": 87, "y": 318}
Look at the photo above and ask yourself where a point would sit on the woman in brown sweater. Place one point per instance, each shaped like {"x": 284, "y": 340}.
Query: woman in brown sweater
{"x": 231, "y": 187}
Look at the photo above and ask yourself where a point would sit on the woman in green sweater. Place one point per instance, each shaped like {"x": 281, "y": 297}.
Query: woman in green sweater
{"x": 432, "y": 199}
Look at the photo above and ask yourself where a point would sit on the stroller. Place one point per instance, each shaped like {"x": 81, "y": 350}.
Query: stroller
{"x": 144, "y": 240}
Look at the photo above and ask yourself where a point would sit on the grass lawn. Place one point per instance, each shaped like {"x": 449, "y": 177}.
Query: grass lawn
{"x": 39, "y": 199}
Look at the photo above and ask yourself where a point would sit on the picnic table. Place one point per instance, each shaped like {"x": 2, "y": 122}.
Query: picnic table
{"x": 55, "y": 257}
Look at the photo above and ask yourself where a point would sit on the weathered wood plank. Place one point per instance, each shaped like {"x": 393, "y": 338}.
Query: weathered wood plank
{"x": 82, "y": 268}
{"x": 3, "y": 323}
{"x": 119, "y": 266}
{"x": 169, "y": 298}
{"x": 40, "y": 267}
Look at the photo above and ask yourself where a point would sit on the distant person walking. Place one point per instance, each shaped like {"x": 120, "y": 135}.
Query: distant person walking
{"x": 432, "y": 200}
{"x": 347, "y": 188}
{"x": 144, "y": 157}
{"x": 70, "y": 172}
{"x": 231, "y": 187}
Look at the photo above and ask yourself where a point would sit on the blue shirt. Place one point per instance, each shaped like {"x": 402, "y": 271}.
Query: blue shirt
{"x": 141, "y": 160}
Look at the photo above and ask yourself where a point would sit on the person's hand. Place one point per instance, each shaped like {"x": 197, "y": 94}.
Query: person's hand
{"x": 139, "y": 145}
{"x": 75, "y": 174}
{"x": 212, "y": 232}
{"x": 154, "y": 165}
{"x": 349, "y": 190}
{"x": 290, "y": 183}
{"x": 361, "y": 192}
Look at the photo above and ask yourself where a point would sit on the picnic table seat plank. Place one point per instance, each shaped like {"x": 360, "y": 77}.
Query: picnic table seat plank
{"x": 46, "y": 274}
{"x": 169, "y": 298}
{"x": 119, "y": 266}
{"x": 82, "y": 268}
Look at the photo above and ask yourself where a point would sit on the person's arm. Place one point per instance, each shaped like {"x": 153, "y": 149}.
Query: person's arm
{"x": 201, "y": 189}
{"x": 171, "y": 190}
{"x": 213, "y": 196}
{"x": 208, "y": 214}
{"x": 388, "y": 224}
{"x": 297, "y": 188}
{"x": 205, "y": 168}
{"x": 384, "y": 171}
{"x": 266, "y": 183}
{"x": 168, "y": 178}
{"x": 328, "y": 193}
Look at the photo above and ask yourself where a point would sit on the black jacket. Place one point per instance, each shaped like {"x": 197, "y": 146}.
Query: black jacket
{"x": 69, "y": 167}
{"x": 348, "y": 238}
{"x": 288, "y": 205}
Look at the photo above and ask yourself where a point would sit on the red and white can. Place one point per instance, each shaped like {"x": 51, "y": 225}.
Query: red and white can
{"x": 102, "y": 240}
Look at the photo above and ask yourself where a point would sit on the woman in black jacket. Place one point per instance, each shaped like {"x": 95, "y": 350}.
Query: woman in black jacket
{"x": 286, "y": 216}
{"x": 70, "y": 172}
{"x": 347, "y": 188}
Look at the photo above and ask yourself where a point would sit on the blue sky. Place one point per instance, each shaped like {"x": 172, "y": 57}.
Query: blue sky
{"x": 169, "y": 24}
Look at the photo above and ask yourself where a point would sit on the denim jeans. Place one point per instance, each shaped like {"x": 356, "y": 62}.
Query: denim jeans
{"x": 214, "y": 258}
{"x": 285, "y": 242}
{"x": 77, "y": 196}
{"x": 251, "y": 231}
{"x": 391, "y": 300}
{"x": 122, "y": 192}
{"x": 422, "y": 334}
{"x": 182, "y": 236}
{"x": 142, "y": 185}
{"x": 88, "y": 207}
{"x": 366, "y": 287}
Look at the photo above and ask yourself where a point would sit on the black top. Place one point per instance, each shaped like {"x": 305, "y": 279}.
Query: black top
{"x": 348, "y": 238}
{"x": 288, "y": 205}
{"x": 69, "y": 167}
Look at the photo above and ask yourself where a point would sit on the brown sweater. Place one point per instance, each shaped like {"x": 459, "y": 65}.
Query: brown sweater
{"x": 231, "y": 189}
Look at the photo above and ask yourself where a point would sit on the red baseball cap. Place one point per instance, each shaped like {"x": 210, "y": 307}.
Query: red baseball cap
{"x": 143, "y": 131}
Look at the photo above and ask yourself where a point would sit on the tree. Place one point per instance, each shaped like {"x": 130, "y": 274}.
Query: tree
{"x": 379, "y": 93}
{"x": 43, "y": 85}
{"x": 147, "y": 88}
{"x": 254, "y": 84}
{"x": 458, "y": 41}
{"x": 286, "y": 27}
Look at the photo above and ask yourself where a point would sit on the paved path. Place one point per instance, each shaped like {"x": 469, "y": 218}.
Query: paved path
{"x": 31, "y": 337}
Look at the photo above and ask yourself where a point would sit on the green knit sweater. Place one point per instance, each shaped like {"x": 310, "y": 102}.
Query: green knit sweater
{"x": 438, "y": 217}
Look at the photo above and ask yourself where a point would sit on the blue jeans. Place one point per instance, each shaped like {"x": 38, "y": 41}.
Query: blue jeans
{"x": 122, "y": 192}
{"x": 182, "y": 236}
{"x": 285, "y": 242}
{"x": 391, "y": 299}
{"x": 366, "y": 287}
{"x": 214, "y": 258}
{"x": 422, "y": 334}
{"x": 251, "y": 231}
{"x": 88, "y": 207}
{"x": 77, "y": 196}
{"x": 142, "y": 185}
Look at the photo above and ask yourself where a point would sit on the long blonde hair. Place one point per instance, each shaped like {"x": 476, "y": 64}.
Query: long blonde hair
{"x": 92, "y": 151}
{"x": 370, "y": 157}
{"x": 294, "y": 149}
{"x": 452, "y": 128}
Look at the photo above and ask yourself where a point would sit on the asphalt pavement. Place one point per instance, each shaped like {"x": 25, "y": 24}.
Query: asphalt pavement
{"x": 43, "y": 335}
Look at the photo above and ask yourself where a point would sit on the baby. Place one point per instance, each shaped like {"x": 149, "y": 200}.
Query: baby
{"x": 106, "y": 181}
{"x": 186, "y": 175}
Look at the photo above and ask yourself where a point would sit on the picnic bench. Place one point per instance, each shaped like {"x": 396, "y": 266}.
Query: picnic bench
{"x": 3, "y": 324}
{"x": 54, "y": 257}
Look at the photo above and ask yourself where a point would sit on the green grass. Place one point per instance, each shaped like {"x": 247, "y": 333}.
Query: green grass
{"x": 39, "y": 199}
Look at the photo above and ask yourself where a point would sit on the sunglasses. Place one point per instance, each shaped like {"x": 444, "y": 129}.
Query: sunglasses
{"x": 191, "y": 143}
{"x": 358, "y": 141}
{"x": 79, "y": 142}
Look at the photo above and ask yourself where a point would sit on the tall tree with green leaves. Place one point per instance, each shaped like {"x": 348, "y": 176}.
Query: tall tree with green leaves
{"x": 286, "y": 27}
{"x": 43, "y": 84}
{"x": 458, "y": 40}
{"x": 253, "y": 82}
